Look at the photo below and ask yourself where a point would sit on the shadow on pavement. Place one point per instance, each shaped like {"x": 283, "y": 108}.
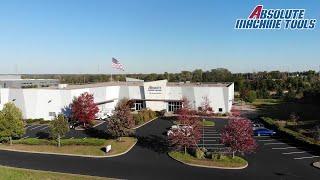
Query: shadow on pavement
{"x": 155, "y": 143}
{"x": 96, "y": 133}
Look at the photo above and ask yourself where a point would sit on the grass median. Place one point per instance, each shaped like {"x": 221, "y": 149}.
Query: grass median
{"x": 91, "y": 147}
{"x": 27, "y": 174}
{"x": 225, "y": 162}
{"x": 207, "y": 123}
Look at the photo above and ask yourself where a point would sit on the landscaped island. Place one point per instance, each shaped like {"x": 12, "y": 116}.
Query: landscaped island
{"x": 187, "y": 136}
{"x": 216, "y": 160}
{"x": 87, "y": 147}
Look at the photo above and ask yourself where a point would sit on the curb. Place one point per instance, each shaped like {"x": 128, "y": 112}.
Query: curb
{"x": 71, "y": 155}
{"x": 316, "y": 164}
{"x": 144, "y": 123}
{"x": 220, "y": 117}
{"x": 211, "y": 167}
{"x": 83, "y": 129}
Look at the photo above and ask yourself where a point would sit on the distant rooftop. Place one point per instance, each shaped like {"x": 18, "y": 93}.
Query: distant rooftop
{"x": 10, "y": 76}
{"x": 15, "y": 77}
{"x": 140, "y": 83}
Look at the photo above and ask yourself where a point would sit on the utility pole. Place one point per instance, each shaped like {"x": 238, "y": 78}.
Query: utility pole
{"x": 16, "y": 69}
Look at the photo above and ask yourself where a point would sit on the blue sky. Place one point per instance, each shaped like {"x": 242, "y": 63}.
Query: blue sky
{"x": 81, "y": 36}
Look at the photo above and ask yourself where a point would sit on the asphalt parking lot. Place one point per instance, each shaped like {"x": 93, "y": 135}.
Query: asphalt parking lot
{"x": 210, "y": 140}
{"x": 210, "y": 136}
{"x": 149, "y": 160}
{"x": 42, "y": 131}
{"x": 288, "y": 149}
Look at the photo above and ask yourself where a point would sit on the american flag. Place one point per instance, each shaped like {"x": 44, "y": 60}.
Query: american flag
{"x": 117, "y": 65}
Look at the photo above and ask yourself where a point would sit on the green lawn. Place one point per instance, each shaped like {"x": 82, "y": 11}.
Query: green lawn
{"x": 224, "y": 162}
{"x": 117, "y": 147}
{"x": 259, "y": 102}
{"x": 207, "y": 123}
{"x": 10, "y": 173}
{"x": 309, "y": 114}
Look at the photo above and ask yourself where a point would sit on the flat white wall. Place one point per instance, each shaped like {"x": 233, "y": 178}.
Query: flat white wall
{"x": 37, "y": 103}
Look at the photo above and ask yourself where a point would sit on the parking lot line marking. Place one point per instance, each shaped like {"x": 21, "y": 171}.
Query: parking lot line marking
{"x": 211, "y": 137}
{"x": 43, "y": 128}
{"x": 296, "y": 152}
{"x": 210, "y": 140}
{"x": 30, "y": 126}
{"x": 216, "y": 148}
{"x": 307, "y": 157}
{"x": 279, "y": 148}
{"x": 210, "y": 144}
{"x": 265, "y": 140}
{"x": 273, "y": 143}
{"x": 35, "y": 127}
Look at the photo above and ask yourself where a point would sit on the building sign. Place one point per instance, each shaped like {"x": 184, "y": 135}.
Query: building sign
{"x": 154, "y": 90}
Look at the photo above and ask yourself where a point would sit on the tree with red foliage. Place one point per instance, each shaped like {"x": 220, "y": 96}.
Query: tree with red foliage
{"x": 205, "y": 108}
{"x": 238, "y": 136}
{"x": 183, "y": 137}
{"x": 187, "y": 133}
{"x": 123, "y": 112}
{"x": 84, "y": 109}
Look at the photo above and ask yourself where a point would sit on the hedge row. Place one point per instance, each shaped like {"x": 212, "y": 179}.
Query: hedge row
{"x": 40, "y": 121}
{"x": 288, "y": 132}
{"x": 84, "y": 141}
{"x": 143, "y": 116}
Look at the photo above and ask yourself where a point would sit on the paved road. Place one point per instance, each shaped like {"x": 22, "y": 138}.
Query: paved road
{"x": 42, "y": 131}
{"x": 148, "y": 160}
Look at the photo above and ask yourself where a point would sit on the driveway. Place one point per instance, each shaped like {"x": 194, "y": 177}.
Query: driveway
{"x": 148, "y": 160}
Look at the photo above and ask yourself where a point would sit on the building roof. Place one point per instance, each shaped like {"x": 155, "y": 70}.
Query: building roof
{"x": 137, "y": 83}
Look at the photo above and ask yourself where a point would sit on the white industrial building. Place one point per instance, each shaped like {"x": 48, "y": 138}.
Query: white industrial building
{"x": 15, "y": 81}
{"x": 46, "y": 103}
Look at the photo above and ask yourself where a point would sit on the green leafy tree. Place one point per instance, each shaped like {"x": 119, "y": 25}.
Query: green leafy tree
{"x": 122, "y": 121}
{"x": 59, "y": 128}
{"x": 11, "y": 123}
{"x": 197, "y": 75}
{"x": 185, "y": 76}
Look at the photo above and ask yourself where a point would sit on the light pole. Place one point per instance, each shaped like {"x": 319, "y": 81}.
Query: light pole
{"x": 203, "y": 133}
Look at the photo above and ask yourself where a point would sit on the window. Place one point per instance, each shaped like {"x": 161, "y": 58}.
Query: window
{"x": 220, "y": 109}
{"x": 138, "y": 105}
{"x": 174, "y": 106}
{"x": 53, "y": 114}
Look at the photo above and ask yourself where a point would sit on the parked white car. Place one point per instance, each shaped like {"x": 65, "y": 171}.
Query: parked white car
{"x": 180, "y": 128}
{"x": 103, "y": 115}
{"x": 257, "y": 126}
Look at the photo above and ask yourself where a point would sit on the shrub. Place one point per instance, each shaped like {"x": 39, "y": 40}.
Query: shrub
{"x": 143, "y": 116}
{"x": 217, "y": 156}
{"x": 161, "y": 113}
{"x": 137, "y": 119}
{"x": 293, "y": 118}
{"x": 84, "y": 141}
{"x": 33, "y": 141}
{"x": 280, "y": 123}
{"x": 38, "y": 120}
{"x": 208, "y": 154}
{"x": 199, "y": 153}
